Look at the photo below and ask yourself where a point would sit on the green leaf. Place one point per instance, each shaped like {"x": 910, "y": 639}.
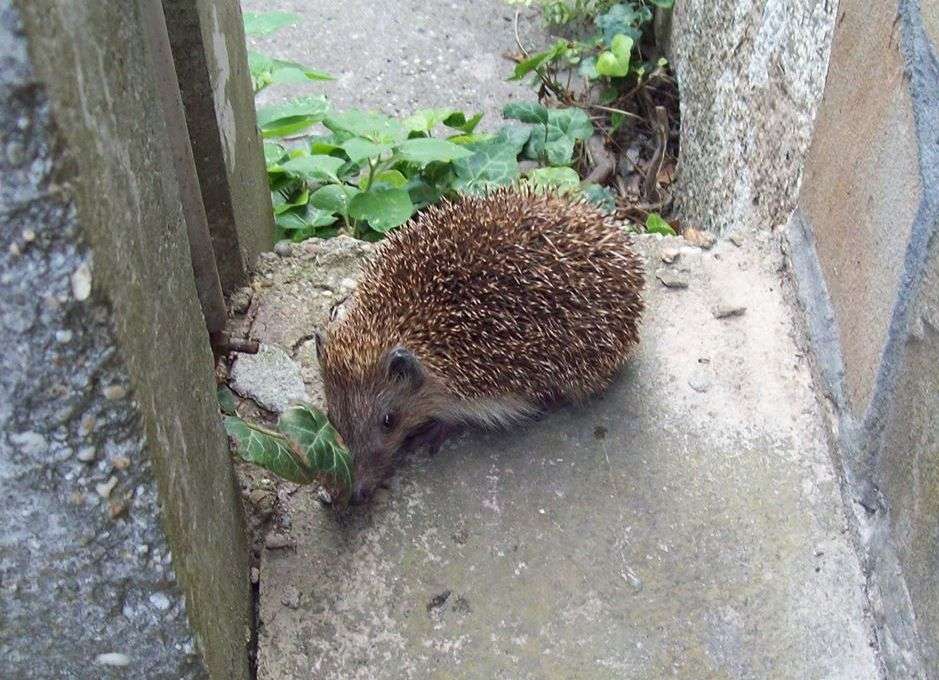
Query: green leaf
{"x": 308, "y": 223}
{"x": 270, "y": 450}
{"x": 588, "y": 68}
{"x": 359, "y": 149}
{"x": 226, "y": 400}
{"x": 600, "y": 196}
{"x": 536, "y": 61}
{"x": 513, "y": 135}
{"x": 281, "y": 120}
{"x": 423, "y": 150}
{"x": 264, "y": 23}
{"x": 458, "y": 121}
{"x": 300, "y": 199}
{"x": 268, "y": 71}
{"x": 372, "y": 126}
{"x": 615, "y": 63}
{"x": 623, "y": 18}
{"x": 311, "y": 433}
{"x": 390, "y": 178}
{"x": 554, "y": 178}
{"x": 382, "y": 208}
{"x": 556, "y": 143}
{"x": 527, "y": 112}
{"x": 333, "y": 198}
{"x": 663, "y": 4}
{"x": 656, "y": 225}
{"x": 273, "y": 153}
{"x": 426, "y": 120}
{"x": 492, "y": 165}
{"x": 316, "y": 168}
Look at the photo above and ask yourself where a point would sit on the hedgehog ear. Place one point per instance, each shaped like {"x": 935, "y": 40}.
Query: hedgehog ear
{"x": 404, "y": 366}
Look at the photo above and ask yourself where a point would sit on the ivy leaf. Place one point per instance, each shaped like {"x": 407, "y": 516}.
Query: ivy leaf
{"x": 527, "y": 112}
{"x": 265, "y": 23}
{"x": 492, "y": 165}
{"x": 656, "y": 225}
{"x": 311, "y": 434}
{"x": 600, "y": 196}
{"x": 423, "y": 150}
{"x": 623, "y": 18}
{"x": 268, "y": 449}
{"x": 281, "y": 120}
{"x": 615, "y": 63}
{"x": 315, "y": 168}
{"x": 554, "y": 178}
{"x": 372, "y": 126}
{"x": 555, "y": 143}
{"x": 383, "y": 208}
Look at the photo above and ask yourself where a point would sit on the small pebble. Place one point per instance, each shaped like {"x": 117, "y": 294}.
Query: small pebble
{"x": 120, "y": 462}
{"x": 29, "y": 235}
{"x": 114, "y": 392}
{"x": 81, "y": 282}
{"x": 697, "y": 237}
{"x": 255, "y": 575}
{"x": 726, "y": 309}
{"x": 105, "y": 488}
{"x": 282, "y": 248}
{"x": 276, "y": 541}
{"x": 87, "y": 454}
{"x": 669, "y": 255}
{"x": 700, "y": 381}
{"x": 112, "y": 659}
{"x": 160, "y": 601}
{"x": 671, "y": 279}
{"x": 290, "y": 598}
{"x": 349, "y": 283}
{"x": 86, "y": 425}
{"x": 736, "y": 238}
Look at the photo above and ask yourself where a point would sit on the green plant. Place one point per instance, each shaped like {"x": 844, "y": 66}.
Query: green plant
{"x": 366, "y": 173}
{"x": 617, "y": 56}
{"x": 304, "y": 448}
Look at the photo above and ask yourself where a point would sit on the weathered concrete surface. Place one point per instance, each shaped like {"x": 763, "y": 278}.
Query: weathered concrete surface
{"x": 862, "y": 186}
{"x": 208, "y": 46}
{"x": 412, "y": 55}
{"x": 864, "y": 245}
{"x": 750, "y": 75}
{"x": 107, "y": 394}
{"x": 687, "y": 524}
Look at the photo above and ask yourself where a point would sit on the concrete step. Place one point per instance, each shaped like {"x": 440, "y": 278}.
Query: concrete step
{"x": 687, "y": 524}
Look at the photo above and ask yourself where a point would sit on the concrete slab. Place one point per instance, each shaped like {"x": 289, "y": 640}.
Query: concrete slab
{"x": 687, "y": 524}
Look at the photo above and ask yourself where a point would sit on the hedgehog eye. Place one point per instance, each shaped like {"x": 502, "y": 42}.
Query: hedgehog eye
{"x": 388, "y": 421}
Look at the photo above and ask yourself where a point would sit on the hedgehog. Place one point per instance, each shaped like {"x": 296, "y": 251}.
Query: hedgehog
{"x": 481, "y": 312}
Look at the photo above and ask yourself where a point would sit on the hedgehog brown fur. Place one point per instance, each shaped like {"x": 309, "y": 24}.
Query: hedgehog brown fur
{"x": 476, "y": 312}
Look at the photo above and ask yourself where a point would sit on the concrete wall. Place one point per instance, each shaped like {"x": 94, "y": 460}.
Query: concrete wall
{"x": 863, "y": 242}
{"x": 750, "y": 73}
{"x": 208, "y": 45}
{"x": 123, "y": 553}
